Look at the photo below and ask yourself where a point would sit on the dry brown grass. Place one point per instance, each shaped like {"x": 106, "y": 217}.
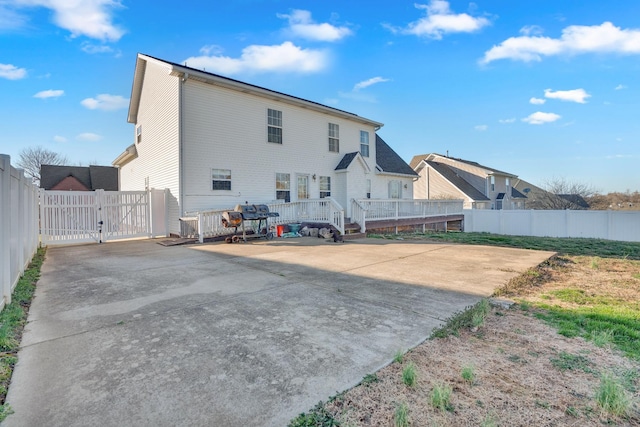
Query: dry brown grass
{"x": 526, "y": 374}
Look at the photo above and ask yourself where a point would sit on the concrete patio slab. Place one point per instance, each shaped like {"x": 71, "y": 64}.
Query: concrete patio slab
{"x": 134, "y": 333}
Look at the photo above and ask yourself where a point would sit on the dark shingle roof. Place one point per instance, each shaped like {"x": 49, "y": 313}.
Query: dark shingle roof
{"x": 92, "y": 177}
{"x": 457, "y": 181}
{"x": 346, "y": 161}
{"x": 389, "y": 161}
{"x": 417, "y": 159}
{"x": 576, "y": 199}
{"x": 516, "y": 194}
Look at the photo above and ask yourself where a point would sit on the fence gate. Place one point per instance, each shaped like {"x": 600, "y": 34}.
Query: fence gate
{"x": 93, "y": 216}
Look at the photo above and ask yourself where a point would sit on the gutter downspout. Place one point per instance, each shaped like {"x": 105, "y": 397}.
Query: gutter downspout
{"x": 181, "y": 83}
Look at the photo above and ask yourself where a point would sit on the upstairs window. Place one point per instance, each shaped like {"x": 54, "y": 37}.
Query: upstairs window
{"x": 325, "y": 186}
{"x": 334, "y": 137}
{"x": 221, "y": 179}
{"x": 364, "y": 143}
{"x": 274, "y": 126}
{"x": 493, "y": 183}
{"x": 139, "y": 134}
{"x": 283, "y": 187}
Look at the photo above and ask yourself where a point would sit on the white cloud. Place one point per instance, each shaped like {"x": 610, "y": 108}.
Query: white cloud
{"x": 11, "y": 72}
{"x": 620, "y": 87}
{"x": 575, "y": 95}
{"x": 507, "y": 120}
{"x": 301, "y": 25}
{"x": 59, "y": 138}
{"x": 481, "y": 128}
{"x": 105, "y": 102}
{"x": 440, "y": 20}
{"x": 89, "y": 137}
{"x": 537, "y": 101}
{"x": 10, "y": 19}
{"x": 369, "y": 82}
{"x": 93, "y": 48}
{"x": 49, "y": 94}
{"x": 286, "y": 57}
{"x": 90, "y": 18}
{"x": 539, "y": 118}
{"x": 531, "y": 30}
{"x": 575, "y": 39}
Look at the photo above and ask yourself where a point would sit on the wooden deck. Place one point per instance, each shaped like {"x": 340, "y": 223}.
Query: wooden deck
{"x": 427, "y": 222}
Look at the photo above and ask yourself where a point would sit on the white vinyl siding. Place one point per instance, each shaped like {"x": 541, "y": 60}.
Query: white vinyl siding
{"x": 220, "y": 123}
{"x": 159, "y": 155}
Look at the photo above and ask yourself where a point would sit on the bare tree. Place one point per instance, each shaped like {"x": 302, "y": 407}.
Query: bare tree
{"x": 561, "y": 194}
{"x": 33, "y": 157}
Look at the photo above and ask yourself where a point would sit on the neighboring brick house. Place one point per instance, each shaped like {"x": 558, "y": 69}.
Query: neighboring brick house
{"x": 78, "y": 178}
{"x": 481, "y": 187}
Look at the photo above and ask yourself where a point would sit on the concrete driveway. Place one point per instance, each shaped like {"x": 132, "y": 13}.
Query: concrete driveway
{"x": 134, "y": 333}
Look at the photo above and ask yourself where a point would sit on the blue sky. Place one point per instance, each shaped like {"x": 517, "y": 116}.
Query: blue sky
{"x": 542, "y": 89}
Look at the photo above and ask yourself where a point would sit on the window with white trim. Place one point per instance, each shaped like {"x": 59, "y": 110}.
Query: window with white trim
{"x": 283, "y": 187}
{"x": 325, "y": 186}
{"x": 274, "y": 126}
{"x": 139, "y": 134}
{"x": 364, "y": 143}
{"x": 395, "y": 189}
{"x": 334, "y": 137}
{"x": 368, "y": 188}
{"x": 221, "y": 179}
{"x": 303, "y": 187}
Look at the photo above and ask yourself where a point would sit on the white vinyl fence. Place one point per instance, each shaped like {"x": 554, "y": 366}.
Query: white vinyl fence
{"x": 18, "y": 226}
{"x": 100, "y": 216}
{"x": 609, "y": 225}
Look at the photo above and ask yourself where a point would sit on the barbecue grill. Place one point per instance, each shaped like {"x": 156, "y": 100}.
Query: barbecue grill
{"x": 242, "y": 213}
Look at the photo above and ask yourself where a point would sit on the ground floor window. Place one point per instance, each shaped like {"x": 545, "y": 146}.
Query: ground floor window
{"x": 325, "y": 186}
{"x": 368, "y": 189}
{"x": 221, "y": 179}
{"x": 283, "y": 187}
{"x": 395, "y": 189}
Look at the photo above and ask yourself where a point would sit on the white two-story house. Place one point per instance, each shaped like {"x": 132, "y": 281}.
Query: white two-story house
{"x": 481, "y": 187}
{"x": 215, "y": 142}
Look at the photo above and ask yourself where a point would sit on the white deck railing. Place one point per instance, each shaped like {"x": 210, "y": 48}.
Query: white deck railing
{"x": 363, "y": 210}
{"x": 209, "y": 223}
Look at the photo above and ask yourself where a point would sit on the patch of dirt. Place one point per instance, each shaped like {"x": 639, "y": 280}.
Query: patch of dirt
{"x": 525, "y": 373}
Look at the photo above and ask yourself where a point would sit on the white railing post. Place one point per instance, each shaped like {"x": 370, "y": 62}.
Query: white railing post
{"x": 200, "y": 228}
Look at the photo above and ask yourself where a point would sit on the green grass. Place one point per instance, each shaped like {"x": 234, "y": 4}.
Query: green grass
{"x": 568, "y": 246}
{"x": 401, "y": 415}
{"x": 468, "y": 374}
{"x": 619, "y": 323}
{"x": 611, "y": 397}
{"x": 399, "y": 356}
{"x": 441, "y": 397}
{"x": 471, "y": 317}
{"x": 12, "y": 320}
{"x": 409, "y": 375}
{"x": 369, "y": 379}
{"x": 572, "y": 362}
{"x": 317, "y": 417}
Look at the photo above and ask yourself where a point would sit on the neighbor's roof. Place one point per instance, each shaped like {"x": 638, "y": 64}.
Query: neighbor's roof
{"x": 432, "y": 157}
{"x": 456, "y": 180}
{"x": 388, "y": 161}
{"x": 516, "y": 194}
{"x": 184, "y": 71}
{"x": 92, "y": 177}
